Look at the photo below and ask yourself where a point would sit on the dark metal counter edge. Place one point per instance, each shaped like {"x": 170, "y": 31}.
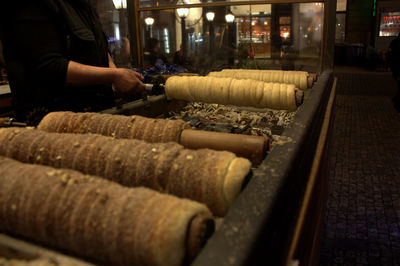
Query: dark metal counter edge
{"x": 260, "y": 225}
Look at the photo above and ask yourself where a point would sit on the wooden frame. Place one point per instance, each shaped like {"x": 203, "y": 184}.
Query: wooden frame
{"x": 328, "y": 39}
{"x": 312, "y": 208}
{"x": 240, "y": 3}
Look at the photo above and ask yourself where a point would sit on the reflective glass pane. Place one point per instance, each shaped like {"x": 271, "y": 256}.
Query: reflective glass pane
{"x": 151, "y": 3}
{"x": 277, "y": 36}
{"x": 389, "y": 24}
{"x": 159, "y": 37}
{"x": 340, "y": 27}
{"x": 308, "y": 33}
{"x": 115, "y": 25}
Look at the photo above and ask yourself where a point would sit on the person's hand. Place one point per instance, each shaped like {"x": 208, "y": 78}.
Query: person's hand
{"x": 127, "y": 81}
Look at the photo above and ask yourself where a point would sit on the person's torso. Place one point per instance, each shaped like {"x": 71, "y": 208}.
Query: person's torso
{"x": 82, "y": 40}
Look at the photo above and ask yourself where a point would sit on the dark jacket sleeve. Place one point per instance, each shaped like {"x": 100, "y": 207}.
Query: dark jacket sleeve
{"x": 42, "y": 43}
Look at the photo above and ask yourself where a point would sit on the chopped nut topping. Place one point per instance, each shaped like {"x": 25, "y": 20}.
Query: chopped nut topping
{"x": 117, "y": 159}
{"x": 175, "y": 166}
{"x": 71, "y": 182}
{"x": 14, "y": 207}
{"x": 59, "y": 157}
{"x": 41, "y": 149}
{"x": 76, "y": 144}
{"x": 103, "y": 199}
{"x": 64, "y": 178}
{"x": 189, "y": 157}
{"x": 239, "y": 120}
{"x": 154, "y": 150}
{"x": 38, "y": 158}
{"x": 51, "y": 173}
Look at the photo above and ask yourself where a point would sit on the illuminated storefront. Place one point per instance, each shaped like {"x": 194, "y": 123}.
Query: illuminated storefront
{"x": 389, "y": 24}
{"x": 387, "y": 21}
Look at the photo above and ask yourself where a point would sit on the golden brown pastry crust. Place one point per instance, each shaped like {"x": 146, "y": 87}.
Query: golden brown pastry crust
{"x": 233, "y": 180}
{"x": 240, "y": 92}
{"x": 298, "y": 78}
{"x": 118, "y": 126}
{"x": 167, "y": 167}
{"x": 95, "y": 218}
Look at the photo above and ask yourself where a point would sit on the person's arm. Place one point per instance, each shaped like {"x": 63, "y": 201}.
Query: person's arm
{"x": 45, "y": 55}
{"x": 111, "y": 62}
{"x": 124, "y": 80}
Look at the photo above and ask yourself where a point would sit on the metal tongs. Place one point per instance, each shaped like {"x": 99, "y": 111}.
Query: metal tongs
{"x": 155, "y": 88}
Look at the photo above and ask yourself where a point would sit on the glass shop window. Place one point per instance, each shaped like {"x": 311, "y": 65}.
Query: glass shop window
{"x": 285, "y": 28}
{"x": 389, "y": 24}
{"x": 307, "y": 34}
{"x": 203, "y": 39}
{"x": 254, "y": 29}
{"x": 340, "y": 31}
{"x": 162, "y": 37}
{"x": 151, "y": 3}
{"x": 114, "y": 18}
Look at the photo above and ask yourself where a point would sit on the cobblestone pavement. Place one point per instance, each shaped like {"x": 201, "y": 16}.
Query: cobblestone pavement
{"x": 362, "y": 218}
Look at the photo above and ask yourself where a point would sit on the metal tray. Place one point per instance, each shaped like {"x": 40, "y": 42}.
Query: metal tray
{"x": 259, "y": 228}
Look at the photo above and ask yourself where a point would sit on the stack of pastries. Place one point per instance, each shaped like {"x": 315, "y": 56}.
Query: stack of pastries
{"x": 298, "y": 78}
{"x": 240, "y": 92}
{"x": 99, "y": 219}
{"x": 60, "y": 193}
{"x": 212, "y": 177}
{"x": 118, "y": 126}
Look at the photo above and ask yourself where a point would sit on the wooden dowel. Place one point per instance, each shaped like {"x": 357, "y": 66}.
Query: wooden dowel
{"x": 299, "y": 97}
{"x": 314, "y": 76}
{"x": 310, "y": 81}
{"x": 253, "y": 148}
